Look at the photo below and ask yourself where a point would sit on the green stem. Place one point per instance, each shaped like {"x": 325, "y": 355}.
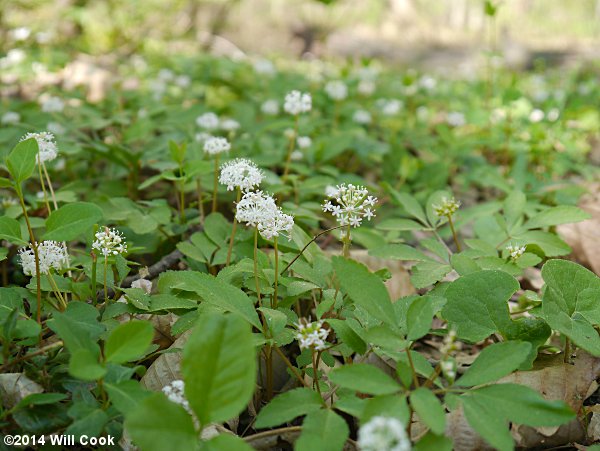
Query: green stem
{"x": 105, "y": 280}
{"x": 308, "y": 244}
{"x": 315, "y": 364}
{"x": 44, "y": 189}
{"x": 290, "y": 366}
{"x": 52, "y": 195}
{"x": 412, "y": 367}
{"x": 286, "y": 169}
{"x": 275, "y": 300}
{"x": 182, "y": 200}
{"x": 200, "y": 203}
{"x": 36, "y": 257}
{"x": 215, "y": 184}
{"x": 233, "y": 230}
{"x": 454, "y": 233}
{"x": 346, "y": 243}
{"x": 567, "y": 356}
{"x": 56, "y": 290}
{"x": 256, "y": 267}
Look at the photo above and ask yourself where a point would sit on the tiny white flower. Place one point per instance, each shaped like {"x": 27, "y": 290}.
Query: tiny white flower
{"x": 304, "y": 142}
{"x": 52, "y": 255}
{"x": 553, "y": 114}
{"x": 166, "y": 75}
{"x": 216, "y": 145}
{"x": 240, "y": 173}
{"x": 110, "y": 242}
{"x": 202, "y": 137}
{"x": 297, "y": 102}
{"x": 312, "y": 335}
{"x": 48, "y": 150}
{"x": 390, "y": 107}
{"x": 383, "y": 433}
{"x": 336, "y": 90}
{"x": 270, "y": 107}
{"x": 427, "y": 82}
{"x": 296, "y": 155}
{"x": 208, "y": 121}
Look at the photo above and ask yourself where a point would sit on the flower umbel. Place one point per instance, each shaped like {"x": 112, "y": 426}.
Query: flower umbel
{"x": 110, "y": 242}
{"x": 255, "y": 207}
{"x": 277, "y": 224}
{"x": 297, "y": 102}
{"x": 351, "y": 204}
{"x": 208, "y": 121}
{"x": 312, "y": 335}
{"x": 447, "y": 208}
{"x": 51, "y": 255}
{"x": 175, "y": 392}
{"x": 216, "y": 145}
{"x": 383, "y": 433}
{"x": 336, "y": 90}
{"x": 48, "y": 150}
{"x": 240, "y": 173}
{"x": 515, "y": 251}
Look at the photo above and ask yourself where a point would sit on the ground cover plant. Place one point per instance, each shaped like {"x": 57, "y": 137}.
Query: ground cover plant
{"x": 208, "y": 258}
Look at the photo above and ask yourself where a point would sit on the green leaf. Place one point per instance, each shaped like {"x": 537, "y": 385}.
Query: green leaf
{"x": 428, "y": 272}
{"x": 219, "y": 367}
{"x": 399, "y": 225}
{"x": 72, "y": 220}
{"x": 38, "y": 399}
{"x": 419, "y": 317}
{"x": 533, "y": 330}
{"x": 429, "y": 408}
{"x": 365, "y": 379}
{"x": 287, "y": 406}
{"x": 433, "y": 442}
{"x": 400, "y": 252}
{"x": 84, "y": 365}
{"x": 563, "y": 214}
{"x": 159, "y": 424}
{"x": 492, "y": 428}
{"x": 225, "y": 442}
{"x": 78, "y": 326}
{"x": 213, "y": 290}
{"x": 323, "y": 429}
{"x": 127, "y": 395}
{"x": 570, "y": 302}
{"x": 364, "y": 288}
{"x": 10, "y": 230}
{"x": 478, "y": 304}
{"x": 494, "y": 362}
{"x": 22, "y": 160}
{"x": 514, "y": 207}
{"x": 348, "y": 336}
{"x": 523, "y": 405}
{"x": 411, "y": 205}
{"x": 128, "y": 341}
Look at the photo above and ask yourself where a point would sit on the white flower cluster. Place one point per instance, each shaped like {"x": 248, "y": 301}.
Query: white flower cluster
{"x": 336, "y": 90}
{"x": 447, "y": 208}
{"x": 208, "y": 121}
{"x": 110, "y": 242}
{"x": 366, "y": 87}
{"x": 258, "y": 209}
{"x": 240, "y": 173}
{"x": 362, "y": 117}
{"x": 389, "y": 107}
{"x": 352, "y": 204}
{"x": 229, "y": 125}
{"x": 51, "y": 255}
{"x": 216, "y": 145}
{"x": 383, "y": 433}
{"x": 10, "y": 117}
{"x": 48, "y": 150}
{"x": 312, "y": 335}
{"x": 456, "y": 119}
{"x": 515, "y": 251}
{"x": 276, "y": 224}
{"x": 270, "y": 107}
{"x": 297, "y": 102}
{"x": 52, "y": 104}
{"x": 304, "y": 142}
{"x": 264, "y": 66}
{"x": 175, "y": 391}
